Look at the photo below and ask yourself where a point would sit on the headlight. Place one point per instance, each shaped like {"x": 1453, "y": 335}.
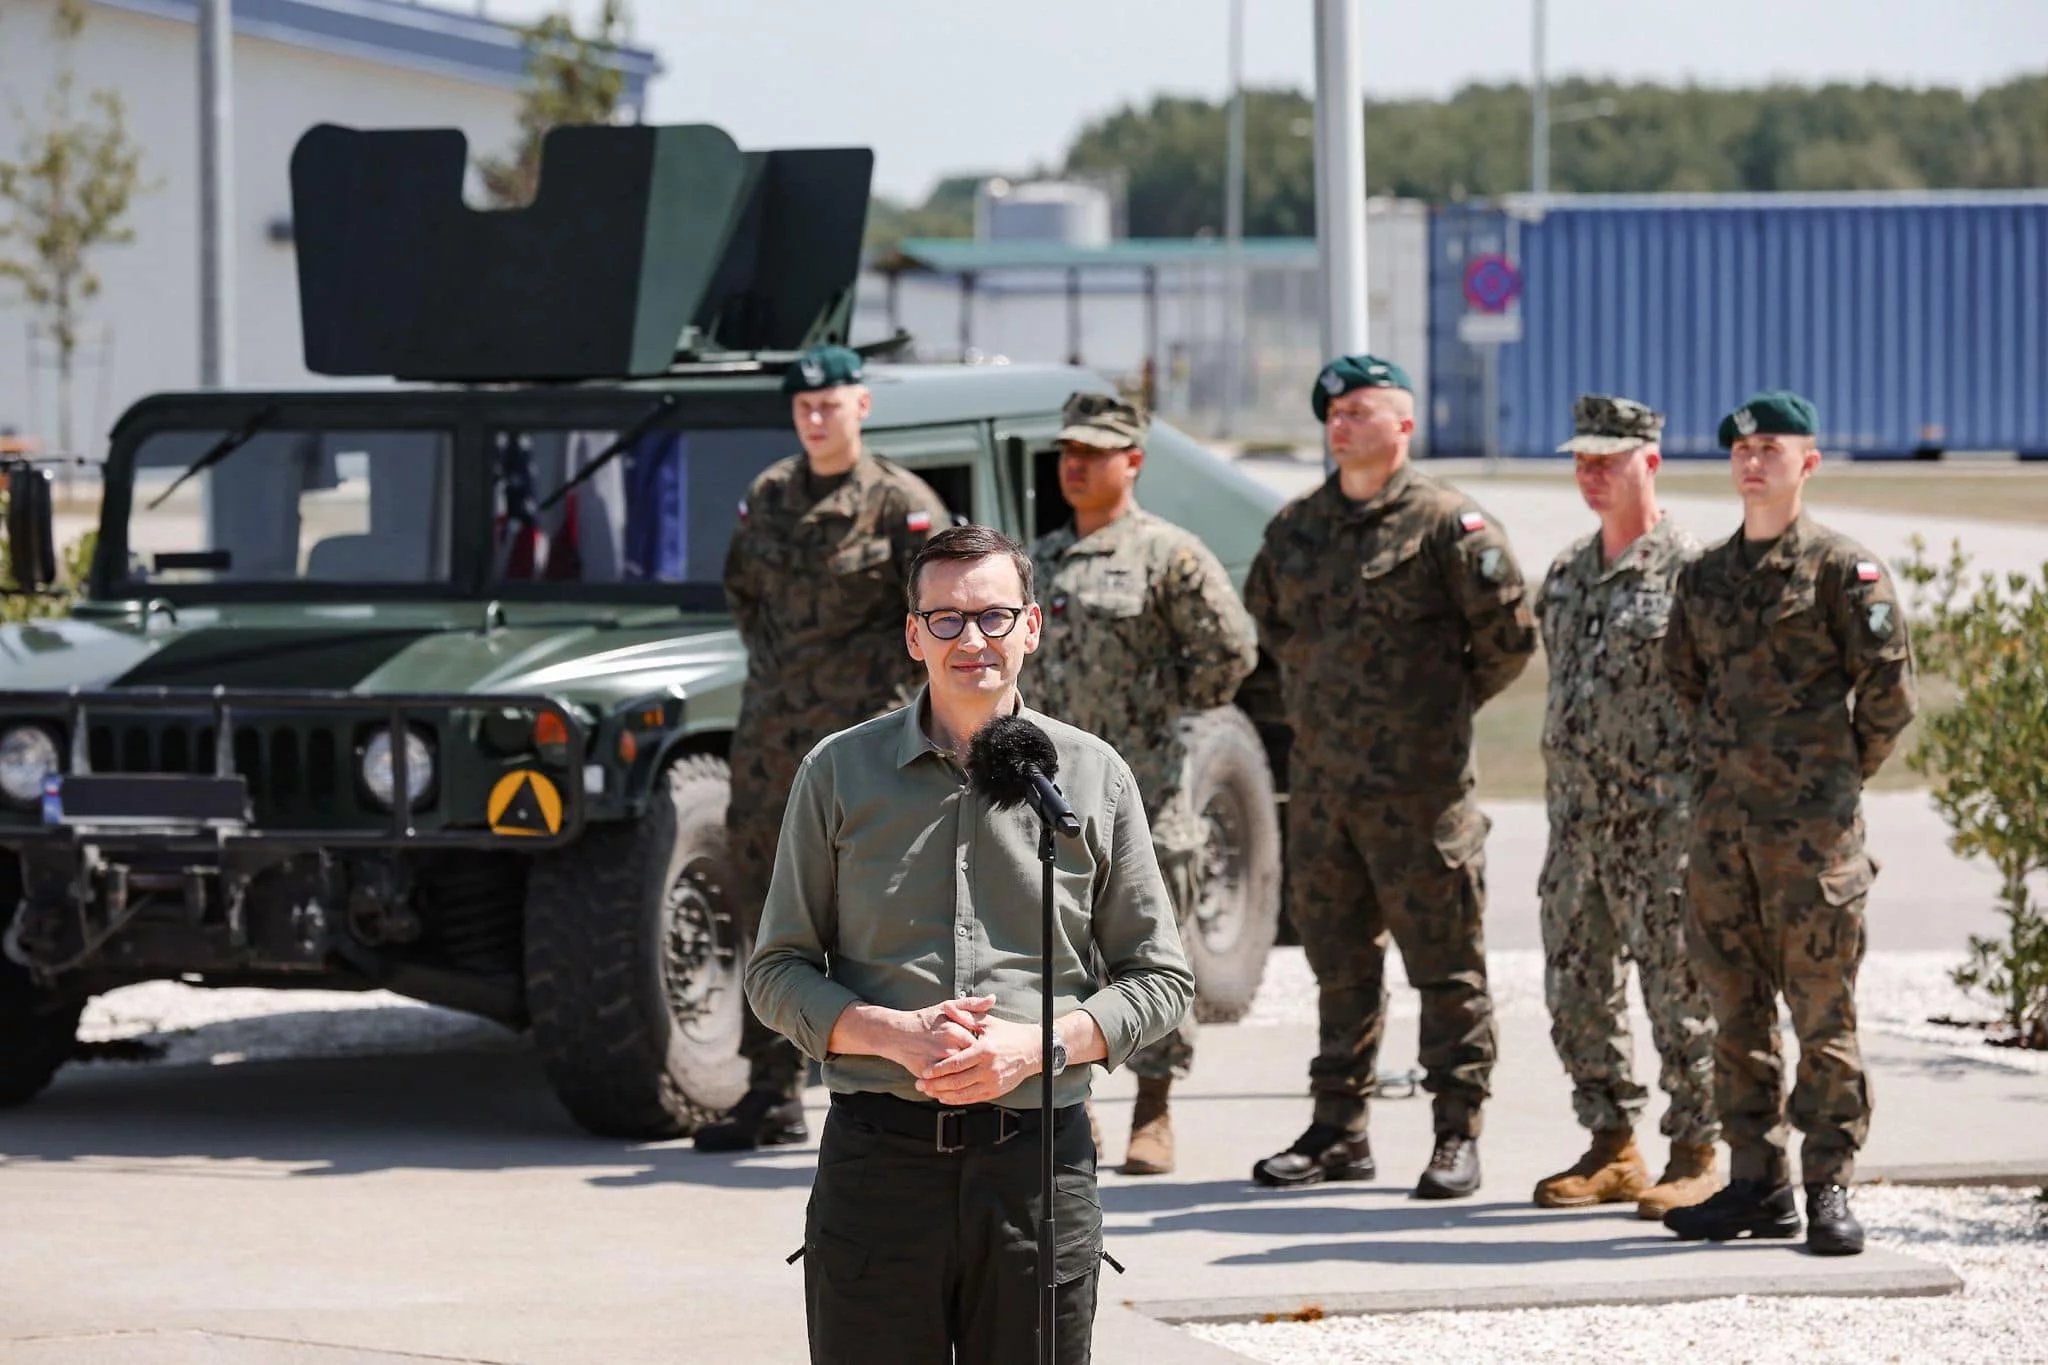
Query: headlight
{"x": 377, "y": 776}
{"x": 27, "y": 756}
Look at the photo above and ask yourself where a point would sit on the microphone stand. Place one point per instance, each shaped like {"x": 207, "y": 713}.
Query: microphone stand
{"x": 1048, "y": 1271}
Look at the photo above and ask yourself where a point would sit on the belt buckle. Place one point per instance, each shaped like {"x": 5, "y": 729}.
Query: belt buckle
{"x": 939, "y": 1143}
{"x": 1008, "y": 1125}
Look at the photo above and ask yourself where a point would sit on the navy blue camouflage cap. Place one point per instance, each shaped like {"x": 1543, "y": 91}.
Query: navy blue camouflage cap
{"x": 1348, "y": 372}
{"x": 822, "y": 367}
{"x": 1774, "y": 412}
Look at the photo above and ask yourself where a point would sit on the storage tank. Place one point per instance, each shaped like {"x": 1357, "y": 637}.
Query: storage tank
{"x": 1070, "y": 212}
{"x": 1916, "y": 322}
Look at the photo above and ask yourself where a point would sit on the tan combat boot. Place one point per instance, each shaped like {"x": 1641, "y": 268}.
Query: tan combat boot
{"x": 1610, "y": 1172}
{"x": 1692, "y": 1175}
{"x": 1151, "y": 1148}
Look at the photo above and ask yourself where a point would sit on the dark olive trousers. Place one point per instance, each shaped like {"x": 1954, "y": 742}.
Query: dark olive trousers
{"x": 918, "y": 1257}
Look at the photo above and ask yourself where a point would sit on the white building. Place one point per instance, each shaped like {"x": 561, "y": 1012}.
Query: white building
{"x": 363, "y": 63}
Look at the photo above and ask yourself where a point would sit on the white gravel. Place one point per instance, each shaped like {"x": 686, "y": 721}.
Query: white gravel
{"x": 1996, "y": 1241}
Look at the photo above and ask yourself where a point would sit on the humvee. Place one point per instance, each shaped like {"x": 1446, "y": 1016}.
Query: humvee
{"x": 429, "y": 686}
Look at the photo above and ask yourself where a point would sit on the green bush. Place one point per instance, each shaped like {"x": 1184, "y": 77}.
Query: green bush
{"x": 1988, "y": 756}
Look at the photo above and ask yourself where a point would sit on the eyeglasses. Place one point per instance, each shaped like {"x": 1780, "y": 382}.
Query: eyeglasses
{"x": 994, "y": 623}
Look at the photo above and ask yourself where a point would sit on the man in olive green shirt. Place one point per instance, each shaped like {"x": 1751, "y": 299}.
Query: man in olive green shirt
{"x": 900, "y": 947}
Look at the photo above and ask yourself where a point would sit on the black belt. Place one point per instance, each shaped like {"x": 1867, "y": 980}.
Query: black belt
{"x": 947, "y": 1130}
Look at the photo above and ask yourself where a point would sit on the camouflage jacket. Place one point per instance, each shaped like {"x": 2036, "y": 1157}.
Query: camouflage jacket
{"x": 1141, "y": 627}
{"x": 815, "y": 577}
{"x": 1766, "y": 661}
{"x": 1614, "y": 740}
{"x": 1393, "y": 620}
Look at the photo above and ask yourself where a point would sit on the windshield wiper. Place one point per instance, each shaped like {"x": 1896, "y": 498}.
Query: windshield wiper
{"x": 611, "y": 452}
{"x": 218, "y": 451}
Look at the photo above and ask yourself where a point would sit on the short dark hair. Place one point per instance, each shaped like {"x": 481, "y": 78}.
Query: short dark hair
{"x": 964, "y": 544}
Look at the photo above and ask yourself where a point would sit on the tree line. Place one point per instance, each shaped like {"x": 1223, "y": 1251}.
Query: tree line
{"x": 1612, "y": 138}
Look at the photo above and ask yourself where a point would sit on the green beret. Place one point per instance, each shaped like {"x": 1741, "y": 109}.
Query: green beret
{"x": 822, "y": 367}
{"x": 1348, "y": 372}
{"x": 1774, "y": 412}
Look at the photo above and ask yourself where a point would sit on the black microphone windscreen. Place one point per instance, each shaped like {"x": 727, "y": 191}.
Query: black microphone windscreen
{"x": 1000, "y": 754}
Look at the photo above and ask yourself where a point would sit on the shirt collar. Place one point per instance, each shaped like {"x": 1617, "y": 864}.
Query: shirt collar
{"x": 912, "y": 743}
{"x": 1390, "y": 493}
{"x": 1106, "y": 540}
{"x": 1638, "y": 551}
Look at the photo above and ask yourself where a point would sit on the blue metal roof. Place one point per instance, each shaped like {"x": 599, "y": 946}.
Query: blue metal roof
{"x": 396, "y": 33}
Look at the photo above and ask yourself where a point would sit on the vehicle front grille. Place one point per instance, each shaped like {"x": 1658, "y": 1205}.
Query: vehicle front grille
{"x": 292, "y": 767}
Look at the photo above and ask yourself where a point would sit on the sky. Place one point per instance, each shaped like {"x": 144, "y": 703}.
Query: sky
{"x": 938, "y": 87}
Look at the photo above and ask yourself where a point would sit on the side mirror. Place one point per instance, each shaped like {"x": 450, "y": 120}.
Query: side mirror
{"x": 31, "y": 529}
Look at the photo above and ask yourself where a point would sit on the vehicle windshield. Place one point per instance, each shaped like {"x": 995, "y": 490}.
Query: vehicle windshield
{"x": 292, "y": 505}
{"x": 660, "y": 511}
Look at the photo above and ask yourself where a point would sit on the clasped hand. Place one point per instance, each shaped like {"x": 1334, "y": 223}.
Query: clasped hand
{"x": 961, "y": 1054}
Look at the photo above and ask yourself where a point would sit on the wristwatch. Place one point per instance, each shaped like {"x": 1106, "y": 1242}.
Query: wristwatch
{"x": 1059, "y": 1054}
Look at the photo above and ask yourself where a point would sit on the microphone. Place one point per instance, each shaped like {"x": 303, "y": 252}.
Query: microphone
{"x": 1012, "y": 762}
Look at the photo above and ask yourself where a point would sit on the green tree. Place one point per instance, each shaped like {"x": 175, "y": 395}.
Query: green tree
{"x": 1988, "y": 756}
{"x": 66, "y": 194}
{"x": 572, "y": 78}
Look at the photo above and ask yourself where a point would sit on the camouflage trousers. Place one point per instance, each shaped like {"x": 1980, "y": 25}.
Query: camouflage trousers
{"x": 1612, "y": 891}
{"x": 1173, "y": 1057}
{"x": 764, "y": 769}
{"x": 1414, "y": 868}
{"x": 1777, "y": 910}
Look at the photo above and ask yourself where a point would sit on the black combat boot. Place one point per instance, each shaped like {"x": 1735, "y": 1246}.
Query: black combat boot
{"x": 762, "y": 1118}
{"x": 1324, "y": 1152}
{"x": 1831, "y": 1230}
{"x": 1453, "y": 1170}
{"x": 1753, "y": 1208}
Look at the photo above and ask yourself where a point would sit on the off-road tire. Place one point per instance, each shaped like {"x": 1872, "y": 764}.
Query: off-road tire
{"x": 37, "y": 1027}
{"x": 634, "y": 965}
{"x": 1230, "y": 785}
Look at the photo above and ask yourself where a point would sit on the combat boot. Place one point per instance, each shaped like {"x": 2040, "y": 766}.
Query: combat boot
{"x": 1831, "y": 1230}
{"x": 762, "y": 1118}
{"x": 1453, "y": 1170}
{"x": 1750, "y": 1208}
{"x": 1692, "y": 1174}
{"x": 1610, "y": 1172}
{"x": 1151, "y": 1147}
{"x": 1323, "y": 1152}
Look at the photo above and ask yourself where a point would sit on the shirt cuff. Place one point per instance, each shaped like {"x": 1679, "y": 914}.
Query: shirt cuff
{"x": 1117, "y": 1018}
{"x": 817, "y": 1008}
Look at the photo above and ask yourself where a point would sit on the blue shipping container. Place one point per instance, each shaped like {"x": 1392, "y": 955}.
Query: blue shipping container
{"x": 1915, "y": 322}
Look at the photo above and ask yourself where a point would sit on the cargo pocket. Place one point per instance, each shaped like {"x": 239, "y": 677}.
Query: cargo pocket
{"x": 1077, "y": 1231}
{"x": 1460, "y": 835}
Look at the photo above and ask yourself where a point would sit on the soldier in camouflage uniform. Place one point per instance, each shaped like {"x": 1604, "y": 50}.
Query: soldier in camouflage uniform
{"x": 1395, "y": 609}
{"x": 1791, "y": 657}
{"x": 1618, "y": 787}
{"x": 815, "y": 577}
{"x": 1141, "y": 628}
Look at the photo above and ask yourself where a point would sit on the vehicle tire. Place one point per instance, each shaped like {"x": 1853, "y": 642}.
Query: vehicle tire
{"x": 634, "y": 963}
{"x": 38, "y": 1027}
{"x": 1230, "y": 784}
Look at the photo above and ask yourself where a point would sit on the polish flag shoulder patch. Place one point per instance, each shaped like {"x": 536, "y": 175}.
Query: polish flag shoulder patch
{"x": 1867, "y": 572}
{"x": 1472, "y": 521}
{"x": 743, "y": 509}
{"x": 919, "y": 521}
